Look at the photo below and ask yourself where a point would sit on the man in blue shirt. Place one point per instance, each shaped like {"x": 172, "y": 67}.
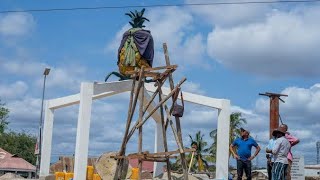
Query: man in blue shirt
{"x": 270, "y": 157}
{"x": 243, "y": 156}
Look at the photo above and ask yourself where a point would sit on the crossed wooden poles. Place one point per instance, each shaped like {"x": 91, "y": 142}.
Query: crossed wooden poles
{"x": 137, "y": 91}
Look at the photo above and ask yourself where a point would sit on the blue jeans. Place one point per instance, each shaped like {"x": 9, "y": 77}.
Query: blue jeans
{"x": 245, "y": 166}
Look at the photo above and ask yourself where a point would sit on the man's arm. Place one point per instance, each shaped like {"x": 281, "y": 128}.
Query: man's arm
{"x": 276, "y": 147}
{"x": 233, "y": 153}
{"x": 293, "y": 140}
{"x": 256, "y": 153}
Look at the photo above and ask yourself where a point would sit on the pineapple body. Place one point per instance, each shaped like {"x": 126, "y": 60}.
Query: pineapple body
{"x": 139, "y": 62}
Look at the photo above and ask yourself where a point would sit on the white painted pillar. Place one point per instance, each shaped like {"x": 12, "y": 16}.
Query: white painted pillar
{"x": 83, "y": 129}
{"x": 158, "y": 147}
{"x": 222, "y": 156}
{"x": 158, "y": 139}
{"x": 46, "y": 140}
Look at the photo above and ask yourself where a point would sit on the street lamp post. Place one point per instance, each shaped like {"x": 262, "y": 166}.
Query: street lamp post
{"x": 45, "y": 73}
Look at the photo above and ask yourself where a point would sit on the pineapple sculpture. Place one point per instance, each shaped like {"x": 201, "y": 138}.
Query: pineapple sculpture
{"x": 136, "y": 48}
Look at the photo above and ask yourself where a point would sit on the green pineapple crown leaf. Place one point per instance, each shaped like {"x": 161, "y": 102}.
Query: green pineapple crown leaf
{"x": 137, "y": 18}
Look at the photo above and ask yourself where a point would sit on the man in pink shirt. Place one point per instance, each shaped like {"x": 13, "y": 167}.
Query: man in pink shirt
{"x": 293, "y": 141}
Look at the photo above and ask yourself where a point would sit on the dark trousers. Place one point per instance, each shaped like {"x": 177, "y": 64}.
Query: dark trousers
{"x": 279, "y": 171}
{"x": 269, "y": 168}
{"x": 244, "y": 166}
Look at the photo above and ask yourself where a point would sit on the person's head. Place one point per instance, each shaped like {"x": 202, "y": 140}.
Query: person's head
{"x": 194, "y": 145}
{"x": 278, "y": 132}
{"x": 284, "y": 127}
{"x": 244, "y": 133}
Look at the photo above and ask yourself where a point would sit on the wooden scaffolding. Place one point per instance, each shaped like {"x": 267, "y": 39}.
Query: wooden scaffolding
{"x": 159, "y": 75}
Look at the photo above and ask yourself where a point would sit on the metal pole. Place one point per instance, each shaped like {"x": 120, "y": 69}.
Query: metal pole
{"x": 46, "y": 72}
{"x": 318, "y": 148}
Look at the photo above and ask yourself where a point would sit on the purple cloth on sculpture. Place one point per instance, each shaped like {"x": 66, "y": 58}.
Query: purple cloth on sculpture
{"x": 144, "y": 42}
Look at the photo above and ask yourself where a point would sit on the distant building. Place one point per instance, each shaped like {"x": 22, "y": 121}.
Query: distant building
{"x": 13, "y": 164}
{"x": 312, "y": 170}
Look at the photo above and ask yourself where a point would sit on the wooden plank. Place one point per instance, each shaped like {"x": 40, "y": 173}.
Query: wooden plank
{"x": 147, "y": 154}
{"x": 154, "y": 69}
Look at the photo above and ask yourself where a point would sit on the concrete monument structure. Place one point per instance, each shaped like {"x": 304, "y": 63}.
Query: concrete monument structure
{"x": 90, "y": 91}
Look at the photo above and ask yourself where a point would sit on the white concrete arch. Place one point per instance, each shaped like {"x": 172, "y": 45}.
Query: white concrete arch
{"x": 90, "y": 91}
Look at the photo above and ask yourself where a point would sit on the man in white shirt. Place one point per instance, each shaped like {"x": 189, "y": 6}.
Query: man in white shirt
{"x": 280, "y": 151}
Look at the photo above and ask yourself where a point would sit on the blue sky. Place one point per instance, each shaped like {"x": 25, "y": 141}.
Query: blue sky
{"x": 227, "y": 51}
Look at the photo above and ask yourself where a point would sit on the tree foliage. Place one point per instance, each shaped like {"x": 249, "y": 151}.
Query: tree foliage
{"x": 21, "y": 144}
{"x": 236, "y": 121}
{"x": 4, "y": 114}
{"x": 199, "y": 161}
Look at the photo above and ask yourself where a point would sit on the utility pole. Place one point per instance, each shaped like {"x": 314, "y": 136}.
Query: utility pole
{"x": 274, "y": 109}
{"x": 318, "y": 149}
{"x": 39, "y": 145}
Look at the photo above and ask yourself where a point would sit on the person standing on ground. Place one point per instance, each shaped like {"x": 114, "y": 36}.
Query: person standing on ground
{"x": 270, "y": 157}
{"x": 280, "y": 151}
{"x": 243, "y": 155}
{"x": 293, "y": 141}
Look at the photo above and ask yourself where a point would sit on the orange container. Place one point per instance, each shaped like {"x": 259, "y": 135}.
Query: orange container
{"x": 90, "y": 172}
{"x": 96, "y": 177}
{"x": 68, "y": 176}
{"x": 59, "y": 175}
{"x": 135, "y": 174}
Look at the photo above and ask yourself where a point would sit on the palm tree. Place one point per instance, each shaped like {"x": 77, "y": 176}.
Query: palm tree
{"x": 236, "y": 121}
{"x": 198, "y": 157}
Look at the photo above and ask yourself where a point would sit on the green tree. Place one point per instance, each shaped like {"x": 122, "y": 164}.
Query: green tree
{"x": 4, "y": 114}
{"x": 236, "y": 121}
{"x": 199, "y": 160}
{"x": 21, "y": 144}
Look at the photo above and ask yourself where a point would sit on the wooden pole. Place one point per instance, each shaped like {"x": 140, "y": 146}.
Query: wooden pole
{"x": 190, "y": 162}
{"x": 140, "y": 129}
{"x": 132, "y": 106}
{"x": 182, "y": 155}
{"x": 175, "y": 134}
{"x": 164, "y": 134}
{"x": 162, "y": 101}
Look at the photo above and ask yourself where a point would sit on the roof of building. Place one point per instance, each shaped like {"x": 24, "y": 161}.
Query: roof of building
{"x": 312, "y": 166}
{"x": 9, "y": 161}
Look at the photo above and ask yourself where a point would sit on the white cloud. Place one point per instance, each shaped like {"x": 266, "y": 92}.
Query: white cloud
{"x": 21, "y": 67}
{"x": 229, "y": 15}
{"x": 193, "y": 87}
{"x": 285, "y": 44}
{"x": 67, "y": 77}
{"x": 24, "y": 114}
{"x": 16, "y": 24}
{"x": 15, "y": 90}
